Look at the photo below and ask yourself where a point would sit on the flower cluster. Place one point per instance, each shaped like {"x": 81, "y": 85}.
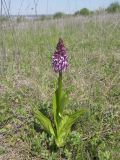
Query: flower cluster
{"x": 60, "y": 59}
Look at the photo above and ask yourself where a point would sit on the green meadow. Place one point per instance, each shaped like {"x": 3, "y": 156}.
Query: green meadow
{"x": 92, "y": 81}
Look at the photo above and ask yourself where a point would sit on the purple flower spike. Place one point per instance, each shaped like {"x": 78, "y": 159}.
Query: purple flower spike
{"x": 60, "y": 59}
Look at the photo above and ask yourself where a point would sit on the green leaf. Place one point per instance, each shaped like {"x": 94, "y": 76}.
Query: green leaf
{"x": 44, "y": 121}
{"x": 58, "y": 107}
{"x": 55, "y": 107}
{"x": 59, "y": 101}
{"x": 59, "y": 96}
{"x": 63, "y": 102}
{"x": 65, "y": 127}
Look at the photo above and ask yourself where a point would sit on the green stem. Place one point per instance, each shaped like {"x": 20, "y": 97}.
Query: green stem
{"x": 60, "y": 84}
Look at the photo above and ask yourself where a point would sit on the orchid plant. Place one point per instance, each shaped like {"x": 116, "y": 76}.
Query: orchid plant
{"x": 62, "y": 123}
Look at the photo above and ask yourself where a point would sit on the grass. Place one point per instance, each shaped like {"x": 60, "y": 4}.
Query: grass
{"x": 92, "y": 81}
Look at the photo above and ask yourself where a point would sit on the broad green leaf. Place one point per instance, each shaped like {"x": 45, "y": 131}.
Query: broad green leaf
{"x": 55, "y": 108}
{"x": 59, "y": 102}
{"x": 44, "y": 121}
{"x": 59, "y": 93}
{"x": 59, "y": 106}
{"x": 62, "y": 133}
{"x": 65, "y": 126}
{"x": 63, "y": 102}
